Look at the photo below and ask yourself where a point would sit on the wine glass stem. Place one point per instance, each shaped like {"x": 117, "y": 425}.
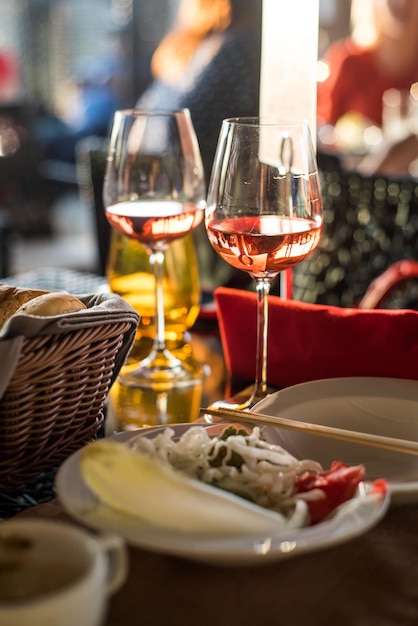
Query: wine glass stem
{"x": 263, "y": 289}
{"x": 157, "y": 263}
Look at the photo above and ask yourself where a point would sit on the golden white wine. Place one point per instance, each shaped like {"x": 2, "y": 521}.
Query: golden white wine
{"x": 130, "y": 275}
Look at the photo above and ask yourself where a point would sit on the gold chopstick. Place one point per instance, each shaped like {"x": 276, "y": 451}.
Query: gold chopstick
{"x": 368, "y": 439}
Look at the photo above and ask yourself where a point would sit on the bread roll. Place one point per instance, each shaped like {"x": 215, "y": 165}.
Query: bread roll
{"x": 12, "y": 298}
{"x": 52, "y": 304}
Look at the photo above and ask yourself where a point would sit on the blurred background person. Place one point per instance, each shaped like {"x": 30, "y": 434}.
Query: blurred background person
{"x": 380, "y": 54}
{"x": 209, "y": 63}
{"x": 89, "y": 112}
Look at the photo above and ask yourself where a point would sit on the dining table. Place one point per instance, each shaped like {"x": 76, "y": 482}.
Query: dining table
{"x": 367, "y": 580}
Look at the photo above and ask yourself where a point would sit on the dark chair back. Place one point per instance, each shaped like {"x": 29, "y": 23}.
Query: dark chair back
{"x": 369, "y": 224}
{"x": 91, "y": 165}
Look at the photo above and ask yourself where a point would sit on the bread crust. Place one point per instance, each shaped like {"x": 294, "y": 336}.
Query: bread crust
{"x": 12, "y": 298}
{"x": 53, "y": 303}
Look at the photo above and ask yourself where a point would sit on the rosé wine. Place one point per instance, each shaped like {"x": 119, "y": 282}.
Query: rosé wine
{"x": 150, "y": 221}
{"x": 264, "y": 244}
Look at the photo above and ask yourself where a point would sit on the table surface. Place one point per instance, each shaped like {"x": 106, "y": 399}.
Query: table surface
{"x": 369, "y": 581}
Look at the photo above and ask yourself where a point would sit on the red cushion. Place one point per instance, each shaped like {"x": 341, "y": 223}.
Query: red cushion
{"x": 311, "y": 342}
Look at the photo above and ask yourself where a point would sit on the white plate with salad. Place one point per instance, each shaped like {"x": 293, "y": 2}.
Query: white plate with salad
{"x": 284, "y": 532}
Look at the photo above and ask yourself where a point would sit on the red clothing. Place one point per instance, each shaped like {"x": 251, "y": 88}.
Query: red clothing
{"x": 356, "y": 83}
{"x": 9, "y": 74}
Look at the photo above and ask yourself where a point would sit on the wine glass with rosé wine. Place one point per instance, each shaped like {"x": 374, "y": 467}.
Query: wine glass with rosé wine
{"x": 154, "y": 192}
{"x": 264, "y": 211}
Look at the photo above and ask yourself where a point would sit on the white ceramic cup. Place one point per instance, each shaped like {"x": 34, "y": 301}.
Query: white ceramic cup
{"x": 80, "y": 569}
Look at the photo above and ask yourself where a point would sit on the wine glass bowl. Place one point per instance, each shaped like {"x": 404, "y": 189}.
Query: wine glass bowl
{"x": 154, "y": 192}
{"x": 264, "y": 209}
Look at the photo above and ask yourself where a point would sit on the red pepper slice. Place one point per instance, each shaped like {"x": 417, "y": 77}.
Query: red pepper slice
{"x": 338, "y": 485}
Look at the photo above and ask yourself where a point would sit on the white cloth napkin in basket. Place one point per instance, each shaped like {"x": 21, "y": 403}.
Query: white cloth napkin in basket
{"x": 101, "y": 308}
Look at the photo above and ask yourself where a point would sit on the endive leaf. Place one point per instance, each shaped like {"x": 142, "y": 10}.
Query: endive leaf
{"x": 134, "y": 484}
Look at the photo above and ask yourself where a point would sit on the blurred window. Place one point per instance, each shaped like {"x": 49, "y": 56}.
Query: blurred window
{"x": 55, "y": 42}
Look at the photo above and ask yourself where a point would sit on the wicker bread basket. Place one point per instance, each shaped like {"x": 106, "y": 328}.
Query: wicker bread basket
{"x": 54, "y": 400}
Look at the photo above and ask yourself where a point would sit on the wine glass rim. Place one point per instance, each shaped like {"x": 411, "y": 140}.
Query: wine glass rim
{"x": 265, "y": 120}
{"x": 153, "y": 112}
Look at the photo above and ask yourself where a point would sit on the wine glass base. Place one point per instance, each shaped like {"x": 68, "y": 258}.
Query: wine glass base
{"x": 158, "y": 382}
{"x": 162, "y": 375}
{"x": 243, "y": 400}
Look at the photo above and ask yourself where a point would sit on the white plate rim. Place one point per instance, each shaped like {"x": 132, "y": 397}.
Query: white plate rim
{"x": 401, "y": 492}
{"x": 353, "y": 518}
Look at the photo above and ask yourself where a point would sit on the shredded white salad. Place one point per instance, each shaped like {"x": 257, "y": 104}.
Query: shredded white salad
{"x": 236, "y": 460}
